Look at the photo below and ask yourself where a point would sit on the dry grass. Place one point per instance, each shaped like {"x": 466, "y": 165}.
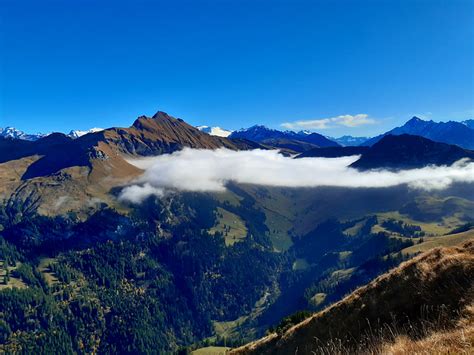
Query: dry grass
{"x": 211, "y": 350}
{"x": 441, "y": 241}
{"x": 423, "y": 304}
{"x": 230, "y": 225}
{"x": 456, "y": 340}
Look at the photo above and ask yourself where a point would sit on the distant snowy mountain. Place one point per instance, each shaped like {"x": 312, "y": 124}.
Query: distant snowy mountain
{"x": 11, "y": 132}
{"x": 469, "y": 123}
{"x": 348, "y": 141}
{"x": 78, "y": 133}
{"x": 288, "y": 141}
{"x": 262, "y": 134}
{"x": 215, "y": 131}
{"x": 450, "y": 132}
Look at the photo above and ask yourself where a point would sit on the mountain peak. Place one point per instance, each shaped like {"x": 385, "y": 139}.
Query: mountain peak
{"x": 159, "y": 115}
{"x": 76, "y": 133}
{"x": 214, "y": 131}
{"x": 13, "y": 133}
{"x": 257, "y": 126}
{"x": 406, "y": 151}
{"x": 468, "y": 123}
{"x": 289, "y": 139}
{"x": 414, "y": 121}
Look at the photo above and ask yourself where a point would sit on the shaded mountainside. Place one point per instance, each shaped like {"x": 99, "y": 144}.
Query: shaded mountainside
{"x": 295, "y": 141}
{"x": 396, "y": 152}
{"x": 12, "y": 149}
{"x": 447, "y": 132}
{"x": 434, "y": 287}
{"x": 407, "y": 151}
{"x": 468, "y": 123}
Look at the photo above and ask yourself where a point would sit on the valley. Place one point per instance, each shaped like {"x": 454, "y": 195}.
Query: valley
{"x": 84, "y": 270}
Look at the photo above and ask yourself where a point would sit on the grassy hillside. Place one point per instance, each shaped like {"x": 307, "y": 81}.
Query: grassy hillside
{"x": 412, "y": 306}
{"x": 440, "y": 241}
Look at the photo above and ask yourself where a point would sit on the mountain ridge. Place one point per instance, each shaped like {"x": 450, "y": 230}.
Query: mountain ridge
{"x": 296, "y": 141}
{"x": 408, "y": 151}
{"x": 442, "y": 276}
{"x": 450, "y": 132}
{"x": 215, "y": 131}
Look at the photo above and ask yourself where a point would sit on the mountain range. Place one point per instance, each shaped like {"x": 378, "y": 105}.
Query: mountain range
{"x": 82, "y": 270}
{"x": 13, "y": 133}
{"x": 458, "y": 133}
{"x": 147, "y": 136}
{"x": 347, "y": 141}
{"x": 407, "y": 152}
{"x": 468, "y": 123}
{"x": 293, "y": 141}
{"x": 396, "y": 152}
{"x": 92, "y": 165}
{"x": 162, "y": 133}
{"x": 450, "y": 132}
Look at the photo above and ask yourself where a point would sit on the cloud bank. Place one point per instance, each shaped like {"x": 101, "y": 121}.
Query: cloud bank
{"x": 325, "y": 123}
{"x": 211, "y": 170}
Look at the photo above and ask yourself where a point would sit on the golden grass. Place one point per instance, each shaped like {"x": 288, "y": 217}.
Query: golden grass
{"x": 230, "y": 225}
{"x": 13, "y": 282}
{"x": 441, "y": 241}
{"x": 44, "y": 268}
{"x": 446, "y": 224}
{"x": 211, "y": 350}
{"x": 424, "y": 300}
{"x": 300, "y": 264}
{"x": 459, "y": 340}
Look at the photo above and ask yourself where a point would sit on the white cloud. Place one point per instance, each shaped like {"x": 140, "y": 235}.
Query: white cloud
{"x": 137, "y": 193}
{"x": 211, "y": 170}
{"x": 325, "y": 123}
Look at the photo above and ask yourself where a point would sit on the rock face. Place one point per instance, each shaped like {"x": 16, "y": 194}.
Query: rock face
{"x": 446, "y": 132}
{"x": 406, "y": 151}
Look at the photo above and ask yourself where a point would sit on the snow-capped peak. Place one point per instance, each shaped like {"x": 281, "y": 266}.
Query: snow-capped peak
{"x": 304, "y": 132}
{"x": 12, "y": 132}
{"x": 78, "y": 133}
{"x": 215, "y": 131}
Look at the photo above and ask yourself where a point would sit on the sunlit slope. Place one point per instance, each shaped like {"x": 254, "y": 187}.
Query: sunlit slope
{"x": 437, "y": 282}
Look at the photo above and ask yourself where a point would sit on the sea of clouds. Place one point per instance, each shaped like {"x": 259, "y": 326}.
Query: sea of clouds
{"x": 211, "y": 170}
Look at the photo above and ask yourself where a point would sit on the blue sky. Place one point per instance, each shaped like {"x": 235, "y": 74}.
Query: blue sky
{"x": 80, "y": 64}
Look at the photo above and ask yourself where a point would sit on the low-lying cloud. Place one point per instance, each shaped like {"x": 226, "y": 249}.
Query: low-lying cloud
{"x": 211, "y": 170}
{"x": 325, "y": 123}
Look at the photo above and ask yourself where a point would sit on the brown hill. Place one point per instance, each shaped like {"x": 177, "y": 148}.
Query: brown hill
{"x": 59, "y": 174}
{"x": 427, "y": 298}
{"x": 147, "y": 136}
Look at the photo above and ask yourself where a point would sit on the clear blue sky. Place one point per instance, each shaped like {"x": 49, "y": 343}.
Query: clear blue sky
{"x": 78, "y": 64}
